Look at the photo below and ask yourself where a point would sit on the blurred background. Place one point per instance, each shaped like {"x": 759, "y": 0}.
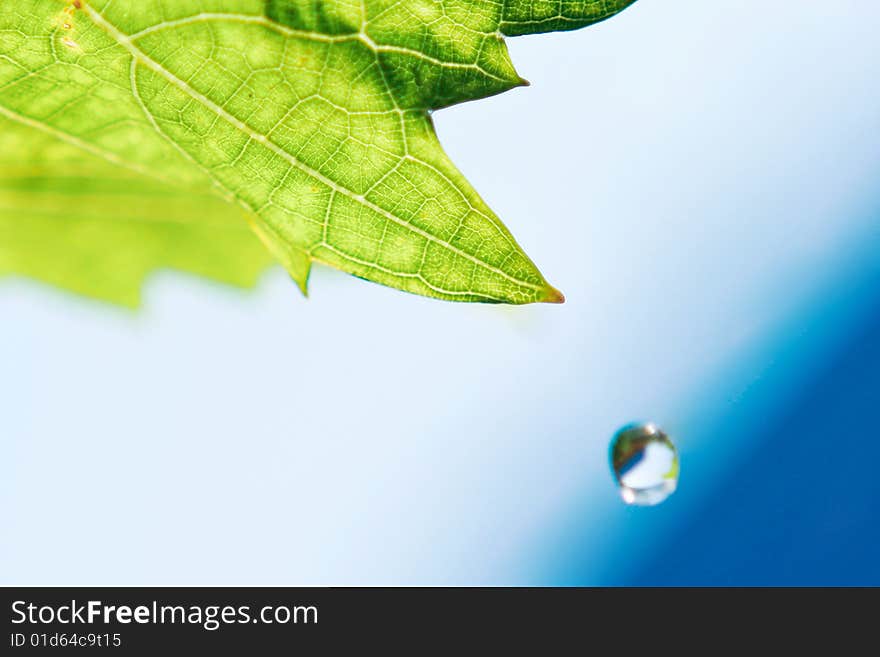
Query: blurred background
{"x": 700, "y": 179}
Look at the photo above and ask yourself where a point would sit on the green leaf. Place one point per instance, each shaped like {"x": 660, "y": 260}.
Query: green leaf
{"x": 147, "y": 133}
{"x": 70, "y": 217}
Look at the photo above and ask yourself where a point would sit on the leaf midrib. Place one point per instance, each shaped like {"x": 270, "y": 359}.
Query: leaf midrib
{"x": 85, "y": 146}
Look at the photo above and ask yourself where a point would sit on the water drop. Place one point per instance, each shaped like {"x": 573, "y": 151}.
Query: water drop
{"x": 645, "y": 464}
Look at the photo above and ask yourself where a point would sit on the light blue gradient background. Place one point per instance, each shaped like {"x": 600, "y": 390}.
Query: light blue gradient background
{"x": 699, "y": 178}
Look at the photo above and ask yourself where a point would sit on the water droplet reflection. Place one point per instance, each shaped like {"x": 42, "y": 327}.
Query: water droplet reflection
{"x": 645, "y": 464}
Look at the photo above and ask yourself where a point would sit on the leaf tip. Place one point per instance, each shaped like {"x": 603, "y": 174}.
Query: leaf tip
{"x": 297, "y": 262}
{"x": 302, "y": 282}
{"x": 552, "y": 295}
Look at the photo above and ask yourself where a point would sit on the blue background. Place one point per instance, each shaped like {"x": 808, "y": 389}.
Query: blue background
{"x": 804, "y": 505}
{"x": 700, "y": 179}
